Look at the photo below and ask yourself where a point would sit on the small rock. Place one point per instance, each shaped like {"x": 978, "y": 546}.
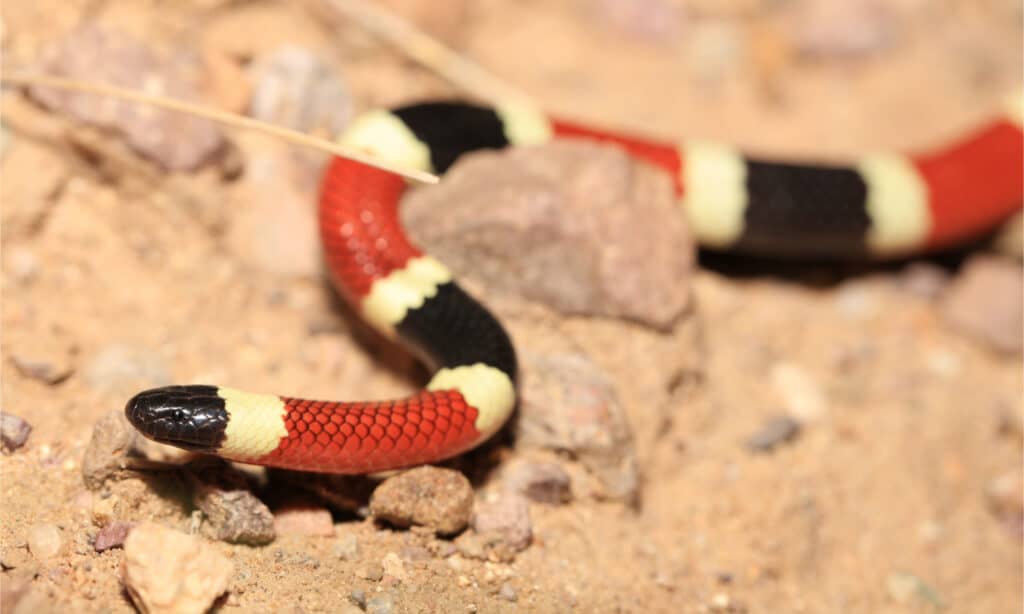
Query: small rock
{"x": 372, "y": 572}
{"x": 47, "y": 363}
{"x": 27, "y": 203}
{"x": 540, "y": 482}
{"x": 568, "y": 404}
{"x": 440, "y": 499}
{"x": 346, "y": 548}
{"x": 112, "y": 535}
{"x": 14, "y": 431}
{"x": 297, "y": 89}
{"x": 115, "y": 446}
{"x": 358, "y": 597}
{"x": 546, "y": 222}
{"x": 773, "y": 433}
{"x": 801, "y": 395}
{"x": 44, "y": 541}
{"x": 168, "y": 571}
{"x": 986, "y": 302}
{"x": 1005, "y": 496}
{"x": 507, "y": 519}
{"x": 924, "y": 280}
{"x": 381, "y": 604}
{"x": 233, "y": 514}
{"x": 508, "y": 593}
{"x": 176, "y": 141}
{"x": 125, "y": 368}
{"x": 394, "y": 566}
{"x": 304, "y": 518}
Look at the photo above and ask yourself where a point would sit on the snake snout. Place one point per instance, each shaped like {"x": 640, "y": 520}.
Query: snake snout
{"x": 189, "y": 417}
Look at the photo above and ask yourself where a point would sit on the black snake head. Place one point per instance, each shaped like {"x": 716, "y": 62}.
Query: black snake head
{"x": 188, "y": 417}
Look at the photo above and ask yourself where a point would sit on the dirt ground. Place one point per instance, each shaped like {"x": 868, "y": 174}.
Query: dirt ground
{"x": 119, "y": 275}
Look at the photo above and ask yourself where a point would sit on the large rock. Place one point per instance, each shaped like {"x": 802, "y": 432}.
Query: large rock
{"x": 577, "y": 226}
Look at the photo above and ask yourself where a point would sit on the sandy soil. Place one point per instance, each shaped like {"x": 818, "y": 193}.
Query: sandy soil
{"x": 117, "y": 274}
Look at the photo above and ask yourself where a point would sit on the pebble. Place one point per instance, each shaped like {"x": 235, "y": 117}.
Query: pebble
{"x": 47, "y": 363}
{"x": 986, "y": 302}
{"x": 169, "y": 571}
{"x": 773, "y": 433}
{"x": 233, "y": 514}
{"x": 570, "y": 405}
{"x": 297, "y": 89}
{"x": 14, "y": 431}
{"x": 346, "y": 548}
{"x": 508, "y": 593}
{"x": 1005, "y": 497}
{"x": 544, "y": 482}
{"x": 115, "y": 446}
{"x": 44, "y": 541}
{"x": 112, "y": 535}
{"x": 801, "y": 395}
{"x": 372, "y": 572}
{"x": 545, "y": 223}
{"x": 304, "y": 518}
{"x": 381, "y": 604}
{"x": 394, "y": 566}
{"x": 176, "y": 141}
{"x": 116, "y": 368}
{"x": 504, "y": 523}
{"x": 440, "y": 499}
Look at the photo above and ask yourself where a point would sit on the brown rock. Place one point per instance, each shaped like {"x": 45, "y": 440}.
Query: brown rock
{"x": 168, "y": 571}
{"x": 507, "y": 516}
{"x": 45, "y": 360}
{"x": 112, "y": 535}
{"x": 568, "y": 404}
{"x": 176, "y": 141}
{"x": 233, "y": 513}
{"x": 580, "y": 227}
{"x": 303, "y": 518}
{"x": 986, "y": 302}
{"x": 440, "y": 499}
{"x": 14, "y": 431}
{"x": 115, "y": 446}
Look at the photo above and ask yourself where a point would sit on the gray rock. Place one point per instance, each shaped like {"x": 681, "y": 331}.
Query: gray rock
{"x": 115, "y": 446}
{"x": 14, "y": 431}
{"x": 986, "y": 302}
{"x": 569, "y": 405}
{"x": 234, "y": 515}
{"x": 176, "y": 141}
{"x": 440, "y": 499}
{"x": 580, "y": 227}
{"x": 773, "y": 433}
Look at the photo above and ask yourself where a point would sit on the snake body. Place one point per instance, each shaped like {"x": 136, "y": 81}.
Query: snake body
{"x": 882, "y": 205}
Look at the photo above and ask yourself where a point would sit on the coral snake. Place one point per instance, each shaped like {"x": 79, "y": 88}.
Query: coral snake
{"x": 883, "y": 205}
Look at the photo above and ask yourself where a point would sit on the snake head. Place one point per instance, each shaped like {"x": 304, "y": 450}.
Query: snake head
{"x": 188, "y": 417}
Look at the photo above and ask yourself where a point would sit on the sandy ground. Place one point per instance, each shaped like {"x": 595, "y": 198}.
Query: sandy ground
{"x": 117, "y": 274}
